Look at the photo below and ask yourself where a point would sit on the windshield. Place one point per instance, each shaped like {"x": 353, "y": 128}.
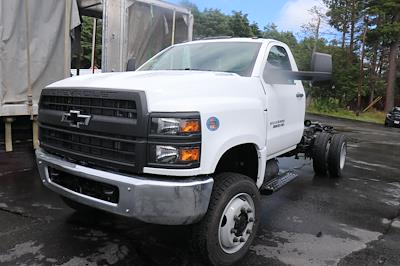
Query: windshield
{"x": 234, "y": 57}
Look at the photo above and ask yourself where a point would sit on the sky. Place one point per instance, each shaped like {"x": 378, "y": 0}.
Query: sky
{"x": 287, "y": 14}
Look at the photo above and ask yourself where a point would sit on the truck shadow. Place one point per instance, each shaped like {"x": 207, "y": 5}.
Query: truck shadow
{"x": 143, "y": 244}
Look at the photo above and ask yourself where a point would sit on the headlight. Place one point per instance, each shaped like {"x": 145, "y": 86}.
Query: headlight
{"x": 175, "y": 126}
{"x": 174, "y": 140}
{"x": 176, "y": 155}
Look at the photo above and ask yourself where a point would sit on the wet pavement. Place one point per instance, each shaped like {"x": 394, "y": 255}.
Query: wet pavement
{"x": 354, "y": 220}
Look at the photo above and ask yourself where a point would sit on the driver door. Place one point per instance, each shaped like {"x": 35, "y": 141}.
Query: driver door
{"x": 285, "y": 104}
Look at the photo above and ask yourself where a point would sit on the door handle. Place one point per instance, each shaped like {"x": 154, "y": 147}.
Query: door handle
{"x": 299, "y": 95}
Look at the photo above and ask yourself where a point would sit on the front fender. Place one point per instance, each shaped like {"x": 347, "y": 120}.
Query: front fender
{"x": 237, "y": 141}
{"x": 237, "y": 126}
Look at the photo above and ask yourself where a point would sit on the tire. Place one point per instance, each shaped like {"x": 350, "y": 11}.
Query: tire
{"x": 320, "y": 153}
{"x": 79, "y": 207}
{"x": 337, "y": 155}
{"x": 232, "y": 195}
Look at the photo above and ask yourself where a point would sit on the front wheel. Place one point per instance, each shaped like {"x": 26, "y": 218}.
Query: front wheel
{"x": 225, "y": 234}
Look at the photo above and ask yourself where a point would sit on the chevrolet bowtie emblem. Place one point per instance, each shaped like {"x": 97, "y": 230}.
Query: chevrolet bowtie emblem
{"x": 75, "y": 119}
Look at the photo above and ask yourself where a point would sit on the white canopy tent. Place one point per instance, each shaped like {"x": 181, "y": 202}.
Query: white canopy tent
{"x": 35, "y": 50}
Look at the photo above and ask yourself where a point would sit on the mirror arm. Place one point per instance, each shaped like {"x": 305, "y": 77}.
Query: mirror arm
{"x": 308, "y": 75}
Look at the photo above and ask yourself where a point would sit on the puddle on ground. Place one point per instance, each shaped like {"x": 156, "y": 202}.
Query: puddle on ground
{"x": 308, "y": 249}
{"x": 392, "y": 195}
{"x": 47, "y": 206}
{"x": 110, "y": 253}
{"x": 20, "y": 250}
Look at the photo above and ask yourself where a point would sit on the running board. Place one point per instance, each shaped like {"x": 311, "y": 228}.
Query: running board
{"x": 277, "y": 183}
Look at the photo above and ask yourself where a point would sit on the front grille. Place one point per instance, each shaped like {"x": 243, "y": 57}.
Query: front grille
{"x": 101, "y": 147}
{"x": 88, "y": 187}
{"x": 89, "y": 105}
{"x": 114, "y": 134}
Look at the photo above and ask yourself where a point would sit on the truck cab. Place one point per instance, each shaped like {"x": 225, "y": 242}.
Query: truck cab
{"x": 189, "y": 138}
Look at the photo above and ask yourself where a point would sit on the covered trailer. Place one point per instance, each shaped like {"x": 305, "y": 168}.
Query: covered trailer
{"x": 35, "y": 50}
{"x": 145, "y": 27}
{"x": 36, "y": 39}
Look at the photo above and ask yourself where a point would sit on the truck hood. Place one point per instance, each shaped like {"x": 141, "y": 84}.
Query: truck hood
{"x": 173, "y": 90}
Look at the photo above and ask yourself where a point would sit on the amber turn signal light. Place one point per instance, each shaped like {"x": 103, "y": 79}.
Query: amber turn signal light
{"x": 189, "y": 154}
{"x": 190, "y": 126}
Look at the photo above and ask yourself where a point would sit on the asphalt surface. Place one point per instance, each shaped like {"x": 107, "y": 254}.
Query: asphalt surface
{"x": 354, "y": 220}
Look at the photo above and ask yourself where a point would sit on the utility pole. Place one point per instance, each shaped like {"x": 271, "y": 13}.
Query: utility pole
{"x": 361, "y": 80}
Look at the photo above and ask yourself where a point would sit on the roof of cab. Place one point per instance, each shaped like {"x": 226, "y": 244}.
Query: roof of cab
{"x": 232, "y": 39}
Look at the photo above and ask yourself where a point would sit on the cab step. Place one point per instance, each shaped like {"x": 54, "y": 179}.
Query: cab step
{"x": 277, "y": 183}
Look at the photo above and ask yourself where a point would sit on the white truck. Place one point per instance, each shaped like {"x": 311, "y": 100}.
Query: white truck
{"x": 190, "y": 138}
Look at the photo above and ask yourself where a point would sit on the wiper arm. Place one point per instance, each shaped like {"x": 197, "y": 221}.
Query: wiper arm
{"x": 192, "y": 69}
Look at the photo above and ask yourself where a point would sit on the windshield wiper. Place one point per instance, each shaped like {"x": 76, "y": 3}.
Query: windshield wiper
{"x": 193, "y": 69}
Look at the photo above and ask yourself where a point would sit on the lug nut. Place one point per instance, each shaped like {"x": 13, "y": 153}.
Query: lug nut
{"x": 243, "y": 210}
{"x": 236, "y": 218}
{"x": 249, "y": 210}
{"x": 248, "y": 231}
{"x": 233, "y": 231}
{"x": 251, "y": 219}
{"x": 235, "y": 239}
{"x": 242, "y": 239}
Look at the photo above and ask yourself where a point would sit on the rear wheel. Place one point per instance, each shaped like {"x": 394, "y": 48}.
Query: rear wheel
{"x": 337, "y": 155}
{"x": 320, "y": 153}
{"x": 225, "y": 234}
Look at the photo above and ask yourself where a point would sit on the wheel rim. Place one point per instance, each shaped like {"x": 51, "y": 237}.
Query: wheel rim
{"x": 236, "y": 223}
{"x": 343, "y": 154}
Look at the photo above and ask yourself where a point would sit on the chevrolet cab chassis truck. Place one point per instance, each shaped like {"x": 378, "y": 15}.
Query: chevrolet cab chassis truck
{"x": 190, "y": 138}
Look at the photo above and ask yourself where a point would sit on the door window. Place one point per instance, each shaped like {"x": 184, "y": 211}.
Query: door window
{"x": 278, "y": 59}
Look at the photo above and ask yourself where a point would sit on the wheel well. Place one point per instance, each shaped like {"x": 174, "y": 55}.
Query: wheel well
{"x": 242, "y": 159}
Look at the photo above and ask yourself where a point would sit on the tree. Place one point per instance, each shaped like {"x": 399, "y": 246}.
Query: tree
{"x": 209, "y": 22}
{"x": 313, "y": 27}
{"x": 239, "y": 24}
{"x": 339, "y": 17}
{"x": 271, "y": 32}
{"x": 388, "y": 30}
{"x": 212, "y": 22}
{"x": 86, "y": 44}
{"x": 255, "y": 30}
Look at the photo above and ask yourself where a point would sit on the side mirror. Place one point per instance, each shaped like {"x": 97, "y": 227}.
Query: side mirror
{"x": 321, "y": 63}
{"x": 131, "y": 65}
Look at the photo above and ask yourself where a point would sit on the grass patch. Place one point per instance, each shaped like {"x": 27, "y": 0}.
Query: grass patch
{"x": 369, "y": 116}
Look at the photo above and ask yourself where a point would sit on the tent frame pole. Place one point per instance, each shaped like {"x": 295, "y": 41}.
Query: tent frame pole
{"x": 67, "y": 45}
{"x": 93, "y": 58}
{"x": 28, "y": 61}
{"x": 173, "y": 27}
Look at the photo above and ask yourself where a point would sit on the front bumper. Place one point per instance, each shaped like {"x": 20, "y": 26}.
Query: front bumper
{"x": 392, "y": 122}
{"x": 149, "y": 199}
